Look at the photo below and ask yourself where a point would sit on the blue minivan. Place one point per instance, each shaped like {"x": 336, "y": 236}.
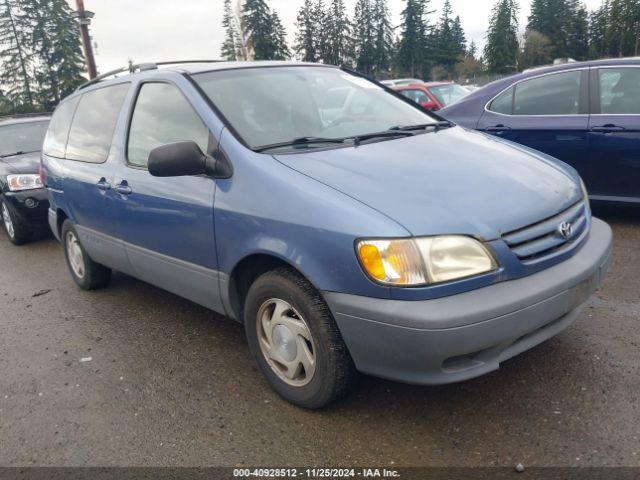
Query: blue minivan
{"x": 586, "y": 114}
{"x": 376, "y": 237}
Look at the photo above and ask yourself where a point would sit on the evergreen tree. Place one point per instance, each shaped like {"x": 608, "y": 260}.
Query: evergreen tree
{"x": 623, "y": 34}
{"x": 266, "y": 33}
{"x": 564, "y": 23}
{"x": 34, "y": 14}
{"x": 306, "y": 45}
{"x": 279, "y": 39}
{"x": 384, "y": 41}
{"x": 446, "y": 43}
{"x": 472, "y": 51}
{"x": 501, "y": 50}
{"x": 232, "y": 45}
{"x": 578, "y": 31}
{"x": 337, "y": 30}
{"x": 16, "y": 60}
{"x": 55, "y": 43}
{"x": 549, "y": 18}
{"x": 459, "y": 38}
{"x": 598, "y": 23}
{"x": 364, "y": 36}
{"x": 415, "y": 43}
{"x": 320, "y": 16}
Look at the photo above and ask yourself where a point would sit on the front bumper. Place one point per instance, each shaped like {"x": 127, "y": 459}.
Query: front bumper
{"x": 29, "y": 206}
{"x": 466, "y": 335}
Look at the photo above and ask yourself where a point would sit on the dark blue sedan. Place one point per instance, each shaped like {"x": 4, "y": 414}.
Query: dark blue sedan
{"x": 586, "y": 114}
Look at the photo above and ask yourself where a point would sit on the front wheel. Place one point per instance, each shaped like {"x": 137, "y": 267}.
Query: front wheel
{"x": 87, "y": 274}
{"x": 18, "y": 234}
{"x": 295, "y": 340}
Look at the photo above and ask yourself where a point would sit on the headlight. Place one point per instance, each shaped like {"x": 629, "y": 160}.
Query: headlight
{"x": 585, "y": 195}
{"x": 424, "y": 261}
{"x": 24, "y": 182}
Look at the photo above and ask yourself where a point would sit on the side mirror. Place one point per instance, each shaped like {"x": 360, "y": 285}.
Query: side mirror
{"x": 182, "y": 159}
{"x": 429, "y": 105}
{"x": 179, "y": 159}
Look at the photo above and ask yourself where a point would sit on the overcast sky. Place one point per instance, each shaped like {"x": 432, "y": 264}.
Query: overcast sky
{"x": 155, "y": 30}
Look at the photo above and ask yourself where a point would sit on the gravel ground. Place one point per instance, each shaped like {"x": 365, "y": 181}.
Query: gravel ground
{"x": 132, "y": 375}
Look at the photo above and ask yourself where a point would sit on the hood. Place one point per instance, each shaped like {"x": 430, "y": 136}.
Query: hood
{"x": 453, "y": 181}
{"x": 25, "y": 163}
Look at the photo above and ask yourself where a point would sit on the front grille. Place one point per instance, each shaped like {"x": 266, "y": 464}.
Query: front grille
{"x": 544, "y": 238}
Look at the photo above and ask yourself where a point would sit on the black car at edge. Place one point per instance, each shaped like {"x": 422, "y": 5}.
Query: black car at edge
{"x": 23, "y": 200}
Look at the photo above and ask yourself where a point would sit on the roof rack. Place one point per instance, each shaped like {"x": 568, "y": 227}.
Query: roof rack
{"x": 140, "y": 67}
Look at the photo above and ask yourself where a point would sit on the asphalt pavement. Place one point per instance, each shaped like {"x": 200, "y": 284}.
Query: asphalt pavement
{"x": 132, "y": 375}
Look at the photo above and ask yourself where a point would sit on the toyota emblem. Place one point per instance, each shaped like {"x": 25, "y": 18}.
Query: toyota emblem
{"x": 565, "y": 230}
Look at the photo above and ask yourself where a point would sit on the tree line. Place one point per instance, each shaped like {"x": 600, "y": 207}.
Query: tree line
{"x": 368, "y": 40}
{"x": 561, "y": 29}
{"x": 40, "y": 54}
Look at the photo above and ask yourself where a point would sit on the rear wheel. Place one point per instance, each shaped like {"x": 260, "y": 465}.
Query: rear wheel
{"x": 18, "y": 233}
{"x": 87, "y": 274}
{"x": 295, "y": 340}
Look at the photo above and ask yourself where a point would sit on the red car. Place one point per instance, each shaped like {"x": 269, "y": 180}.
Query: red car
{"x": 433, "y": 95}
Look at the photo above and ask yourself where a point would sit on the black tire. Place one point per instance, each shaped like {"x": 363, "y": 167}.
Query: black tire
{"x": 95, "y": 276}
{"x": 334, "y": 371}
{"x": 18, "y": 233}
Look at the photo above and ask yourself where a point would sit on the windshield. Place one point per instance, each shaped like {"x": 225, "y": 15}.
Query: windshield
{"x": 22, "y": 137}
{"x": 448, "y": 94}
{"x": 272, "y": 105}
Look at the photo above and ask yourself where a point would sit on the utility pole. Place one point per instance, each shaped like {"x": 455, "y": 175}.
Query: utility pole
{"x": 84, "y": 18}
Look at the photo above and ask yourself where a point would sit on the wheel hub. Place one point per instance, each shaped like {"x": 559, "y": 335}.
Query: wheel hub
{"x": 74, "y": 253}
{"x": 284, "y": 341}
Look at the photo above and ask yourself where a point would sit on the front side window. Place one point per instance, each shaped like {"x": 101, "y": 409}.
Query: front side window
{"x": 271, "y": 105}
{"x": 619, "y": 91}
{"x": 94, "y": 123}
{"x": 417, "y": 96}
{"x": 22, "y": 138}
{"x": 55, "y": 143}
{"x": 162, "y": 115}
{"x": 557, "y": 94}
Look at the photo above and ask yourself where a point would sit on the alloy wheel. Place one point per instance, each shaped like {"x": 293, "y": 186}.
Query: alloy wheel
{"x": 8, "y": 223}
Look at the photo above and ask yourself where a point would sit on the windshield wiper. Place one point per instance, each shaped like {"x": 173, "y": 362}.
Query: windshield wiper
{"x": 436, "y": 125}
{"x": 302, "y": 141}
{"x": 358, "y": 139}
{"x": 19, "y": 152}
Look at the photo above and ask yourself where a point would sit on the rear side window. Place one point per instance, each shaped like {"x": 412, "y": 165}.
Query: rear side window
{"x": 55, "y": 142}
{"x": 94, "y": 123}
{"x": 162, "y": 115}
{"x": 619, "y": 91}
{"x": 556, "y": 94}
{"x": 503, "y": 103}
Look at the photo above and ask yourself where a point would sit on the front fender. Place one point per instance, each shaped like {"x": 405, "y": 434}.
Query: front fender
{"x": 269, "y": 208}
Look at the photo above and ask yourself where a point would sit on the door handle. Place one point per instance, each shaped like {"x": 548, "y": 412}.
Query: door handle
{"x": 103, "y": 184}
{"x": 123, "y": 188}
{"x": 498, "y": 128}
{"x": 608, "y": 128}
